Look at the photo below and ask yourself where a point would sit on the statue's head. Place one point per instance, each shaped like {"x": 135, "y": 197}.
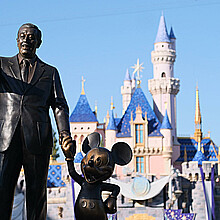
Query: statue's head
{"x": 98, "y": 163}
{"x": 28, "y": 40}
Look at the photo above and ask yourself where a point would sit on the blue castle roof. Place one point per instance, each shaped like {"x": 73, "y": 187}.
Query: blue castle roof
{"x": 138, "y": 99}
{"x": 192, "y": 148}
{"x": 166, "y": 123}
{"x": 162, "y": 35}
{"x": 78, "y": 158}
{"x": 127, "y": 76}
{"x": 82, "y": 111}
{"x": 199, "y": 156}
{"x": 111, "y": 123}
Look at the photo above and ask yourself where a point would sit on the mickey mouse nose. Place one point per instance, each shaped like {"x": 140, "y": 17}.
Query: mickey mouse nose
{"x": 91, "y": 163}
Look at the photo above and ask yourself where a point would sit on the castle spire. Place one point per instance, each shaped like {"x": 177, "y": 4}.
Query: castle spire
{"x": 111, "y": 124}
{"x": 112, "y": 104}
{"x": 172, "y": 35}
{"x": 162, "y": 35}
{"x": 127, "y": 76}
{"x": 198, "y": 119}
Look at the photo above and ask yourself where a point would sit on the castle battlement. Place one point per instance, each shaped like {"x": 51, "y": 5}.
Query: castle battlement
{"x": 191, "y": 170}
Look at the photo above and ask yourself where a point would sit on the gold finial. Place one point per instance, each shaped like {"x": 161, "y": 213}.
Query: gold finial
{"x": 112, "y": 105}
{"x": 96, "y": 107}
{"x": 198, "y": 119}
{"x": 83, "y": 83}
{"x": 209, "y": 134}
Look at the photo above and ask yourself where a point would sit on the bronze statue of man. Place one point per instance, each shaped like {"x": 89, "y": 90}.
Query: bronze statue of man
{"x": 28, "y": 88}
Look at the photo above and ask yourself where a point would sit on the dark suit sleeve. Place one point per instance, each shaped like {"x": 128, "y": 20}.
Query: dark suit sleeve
{"x": 59, "y": 105}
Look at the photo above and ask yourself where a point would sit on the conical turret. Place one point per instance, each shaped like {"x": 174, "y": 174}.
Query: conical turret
{"x": 111, "y": 130}
{"x": 172, "y": 39}
{"x": 166, "y": 122}
{"x": 162, "y": 35}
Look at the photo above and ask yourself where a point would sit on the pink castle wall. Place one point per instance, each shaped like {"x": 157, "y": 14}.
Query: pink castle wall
{"x": 156, "y": 165}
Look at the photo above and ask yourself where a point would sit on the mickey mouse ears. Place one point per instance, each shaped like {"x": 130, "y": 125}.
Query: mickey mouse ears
{"x": 91, "y": 141}
{"x": 121, "y": 153}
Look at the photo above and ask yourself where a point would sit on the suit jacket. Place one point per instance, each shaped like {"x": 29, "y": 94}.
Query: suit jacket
{"x": 29, "y": 104}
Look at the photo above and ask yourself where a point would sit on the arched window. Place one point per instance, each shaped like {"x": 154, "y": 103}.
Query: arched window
{"x": 75, "y": 137}
{"x": 163, "y": 75}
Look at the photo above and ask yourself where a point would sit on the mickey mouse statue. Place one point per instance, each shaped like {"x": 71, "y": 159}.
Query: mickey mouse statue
{"x": 97, "y": 166}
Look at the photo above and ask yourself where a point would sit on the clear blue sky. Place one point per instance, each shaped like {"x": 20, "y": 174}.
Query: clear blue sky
{"x": 101, "y": 39}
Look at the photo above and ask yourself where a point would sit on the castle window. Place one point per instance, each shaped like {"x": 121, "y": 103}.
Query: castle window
{"x": 140, "y": 164}
{"x": 163, "y": 75}
{"x": 162, "y": 45}
{"x": 139, "y": 133}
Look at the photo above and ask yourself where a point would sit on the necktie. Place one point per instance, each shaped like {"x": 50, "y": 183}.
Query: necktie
{"x": 25, "y": 70}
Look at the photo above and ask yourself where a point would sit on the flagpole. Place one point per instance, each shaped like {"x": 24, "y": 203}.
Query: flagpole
{"x": 212, "y": 191}
{"x": 206, "y": 199}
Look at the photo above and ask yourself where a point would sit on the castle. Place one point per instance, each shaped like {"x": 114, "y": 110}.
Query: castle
{"x": 161, "y": 159}
{"x": 151, "y": 133}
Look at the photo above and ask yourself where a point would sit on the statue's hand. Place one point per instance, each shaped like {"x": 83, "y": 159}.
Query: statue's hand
{"x": 68, "y": 147}
{"x": 110, "y": 204}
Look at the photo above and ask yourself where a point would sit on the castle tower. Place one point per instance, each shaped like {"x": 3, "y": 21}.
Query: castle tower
{"x": 111, "y": 130}
{"x": 166, "y": 131}
{"x": 164, "y": 87}
{"x": 198, "y": 119}
{"x": 126, "y": 91}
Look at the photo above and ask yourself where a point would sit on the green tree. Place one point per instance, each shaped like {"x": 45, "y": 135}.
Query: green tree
{"x": 55, "y": 148}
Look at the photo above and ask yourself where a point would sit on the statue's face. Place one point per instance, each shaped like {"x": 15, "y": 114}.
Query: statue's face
{"x": 97, "y": 165}
{"x": 27, "y": 42}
